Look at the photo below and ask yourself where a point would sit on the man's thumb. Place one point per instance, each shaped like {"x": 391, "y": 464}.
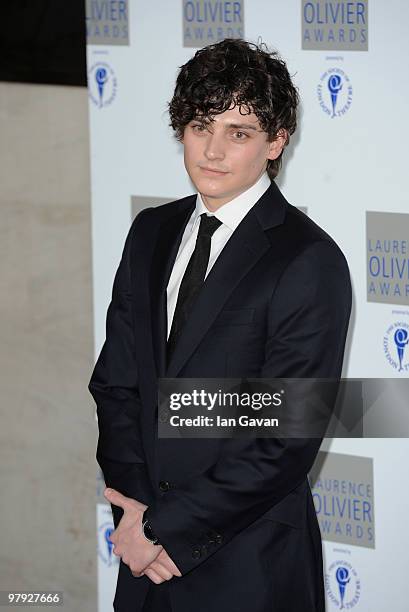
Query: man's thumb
{"x": 114, "y": 497}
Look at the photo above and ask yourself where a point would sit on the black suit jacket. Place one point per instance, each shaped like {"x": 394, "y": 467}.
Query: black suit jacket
{"x": 236, "y": 515}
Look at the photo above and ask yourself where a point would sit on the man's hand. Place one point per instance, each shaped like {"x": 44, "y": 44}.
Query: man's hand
{"x": 141, "y": 556}
{"x": 163, "y": 568}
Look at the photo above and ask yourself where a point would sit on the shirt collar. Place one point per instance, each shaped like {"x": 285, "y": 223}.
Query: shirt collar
{"x": 232, "y": 213}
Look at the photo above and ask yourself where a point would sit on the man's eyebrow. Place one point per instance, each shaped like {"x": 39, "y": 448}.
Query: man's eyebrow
{"x": 241, "y": 126}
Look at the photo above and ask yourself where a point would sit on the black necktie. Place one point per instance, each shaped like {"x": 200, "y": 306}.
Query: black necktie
{"x": 193, "y": 278}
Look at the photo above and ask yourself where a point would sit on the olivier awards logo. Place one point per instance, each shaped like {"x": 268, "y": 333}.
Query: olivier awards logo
{"x": 341, "y": 25}
{"x": 102, "y": 84}
{"x": 334, "y": 92}
{"x": 342, "y": 585}
{"x": 396, "y": 346}
{"x": 343, "y": 494}
{"x": 207, "y": 21}
{"x": 105, "y": 546}
{"x": 107, "y": 22}
{"x": 387, "y": 257}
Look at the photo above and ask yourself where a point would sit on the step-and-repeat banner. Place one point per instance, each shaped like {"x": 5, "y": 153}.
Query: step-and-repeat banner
{"x": 346, "y": 166}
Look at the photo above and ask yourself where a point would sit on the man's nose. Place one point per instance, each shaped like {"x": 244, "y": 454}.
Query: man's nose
{"x": 214, "y": 147}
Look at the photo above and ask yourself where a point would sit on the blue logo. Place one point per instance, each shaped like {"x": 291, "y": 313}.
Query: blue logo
{"x": 105, "y": 546}
{"x": 334, "y": 92}
{"x": 102, "y": 84}
{"x": 342, "y": 585}
{"x": 396, "y": 346}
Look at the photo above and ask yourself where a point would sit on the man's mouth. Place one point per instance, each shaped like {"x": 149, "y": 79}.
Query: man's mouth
{"x": 212, "y": 171}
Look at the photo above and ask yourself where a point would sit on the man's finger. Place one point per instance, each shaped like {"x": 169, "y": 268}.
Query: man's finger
{"x": 161, "y": 570}
{"x": 164, "y": 558}
{"x": 116, "y": 498}
{"x": 152, "y": 575}
{"x": 173, "y": 568}
{"x": 138, "y": 575}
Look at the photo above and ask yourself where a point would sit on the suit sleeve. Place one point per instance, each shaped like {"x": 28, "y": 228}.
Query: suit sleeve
{"x": 114, "y": 387}
{"x": 308, "y": 321}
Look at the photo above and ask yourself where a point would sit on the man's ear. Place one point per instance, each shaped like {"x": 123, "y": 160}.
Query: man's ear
{"x": 278, "y": 144}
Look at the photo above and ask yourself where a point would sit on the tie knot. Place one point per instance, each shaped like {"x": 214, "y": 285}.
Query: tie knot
{"x": 208, "y": 225}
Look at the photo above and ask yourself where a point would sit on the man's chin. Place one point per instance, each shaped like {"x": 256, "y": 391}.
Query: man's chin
{"x": 211, "y": 189}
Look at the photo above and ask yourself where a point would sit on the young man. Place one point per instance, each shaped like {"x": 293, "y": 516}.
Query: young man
{"x": 230, "y": 282}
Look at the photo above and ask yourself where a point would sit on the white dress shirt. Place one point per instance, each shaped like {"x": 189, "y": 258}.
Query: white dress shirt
{"x": 230, "y": 214}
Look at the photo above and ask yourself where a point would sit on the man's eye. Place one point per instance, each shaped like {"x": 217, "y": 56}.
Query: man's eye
{"x": 198, "y": 128}
{"x": 240, "y": 135}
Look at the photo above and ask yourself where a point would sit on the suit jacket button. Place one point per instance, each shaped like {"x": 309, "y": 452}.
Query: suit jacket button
{"x": 196, "y": 554}
{"x": 219, "y": 538}
{"x": 164, "y": 485}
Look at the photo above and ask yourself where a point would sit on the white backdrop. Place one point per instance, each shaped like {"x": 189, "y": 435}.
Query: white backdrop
{"x": 339, "y": 168}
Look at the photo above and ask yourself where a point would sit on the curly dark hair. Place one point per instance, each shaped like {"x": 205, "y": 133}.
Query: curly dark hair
{"x": 232, "y": 73}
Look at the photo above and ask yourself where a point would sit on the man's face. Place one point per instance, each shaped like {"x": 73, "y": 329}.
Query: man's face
{"x": 226, "y": 156}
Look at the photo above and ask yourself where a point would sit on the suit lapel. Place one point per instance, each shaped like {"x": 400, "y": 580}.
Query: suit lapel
{"x": 242, "y": 251}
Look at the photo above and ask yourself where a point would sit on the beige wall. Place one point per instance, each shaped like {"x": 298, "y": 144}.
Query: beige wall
{"x": 48, "y": 433}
